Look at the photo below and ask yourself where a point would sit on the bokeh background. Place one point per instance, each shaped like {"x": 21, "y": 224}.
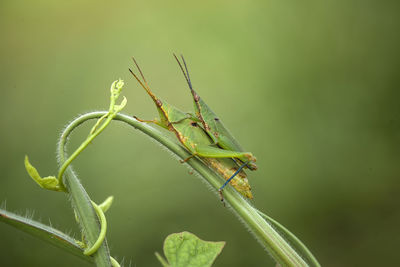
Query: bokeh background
{"x": 310, "y": 87}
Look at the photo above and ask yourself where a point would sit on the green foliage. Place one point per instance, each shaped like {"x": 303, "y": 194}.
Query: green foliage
{"x": 187, "y": 250}
{"x": 91, "y": 243}
{"x": 182, "y": 249}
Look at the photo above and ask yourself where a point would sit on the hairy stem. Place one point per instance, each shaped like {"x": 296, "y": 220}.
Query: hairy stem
{"x": 80, "y": 200}
{"x": 274, "y": 243}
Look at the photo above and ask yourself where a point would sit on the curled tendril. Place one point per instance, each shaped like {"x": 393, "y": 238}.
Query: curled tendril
{"x": 103, "y": 230}
{"x": 116, "y": 88}
{"x": 100, "y": 210}
{"x": 56, "y": 183}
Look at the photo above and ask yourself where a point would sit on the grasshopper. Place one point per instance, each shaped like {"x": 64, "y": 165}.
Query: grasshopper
{"x": 197, "y": 141}
{"x": 213, "y": 125}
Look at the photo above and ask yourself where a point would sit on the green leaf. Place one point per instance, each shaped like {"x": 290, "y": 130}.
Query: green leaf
{"x": 49, "y": 182}
{"x": 44, "y": 232}
{"x": 187, "y": 250}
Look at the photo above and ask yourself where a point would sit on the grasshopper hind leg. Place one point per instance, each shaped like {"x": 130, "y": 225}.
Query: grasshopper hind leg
{"x": 230, "y": 179}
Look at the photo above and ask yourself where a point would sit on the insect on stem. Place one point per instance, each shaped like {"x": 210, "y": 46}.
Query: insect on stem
{"x": 196, "y": 139}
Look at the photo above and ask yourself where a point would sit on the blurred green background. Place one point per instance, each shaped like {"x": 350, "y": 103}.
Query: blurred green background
{"x": 310, "y": 87}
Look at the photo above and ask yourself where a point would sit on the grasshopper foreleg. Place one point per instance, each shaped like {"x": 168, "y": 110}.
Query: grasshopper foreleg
{"x": 191, "y": 156}
{"x": 146, "y": 121}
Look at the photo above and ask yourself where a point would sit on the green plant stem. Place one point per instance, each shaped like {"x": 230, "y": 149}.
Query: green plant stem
{"x": 82, "y": 147}
{"x": 274, "y": 243}
{"x": 81, "y": 202}
{"x": 87, "y": 217}
{"x": 308, "y": 256}
{"x": 163, "y": 262}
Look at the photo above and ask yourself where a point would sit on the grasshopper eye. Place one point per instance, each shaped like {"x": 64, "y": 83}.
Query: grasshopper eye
{"x": 216, "y": 119}
{"x": 194, "y": 124}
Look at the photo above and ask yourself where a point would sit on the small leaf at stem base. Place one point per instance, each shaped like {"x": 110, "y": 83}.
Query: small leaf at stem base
{"x": 186, "y": 249}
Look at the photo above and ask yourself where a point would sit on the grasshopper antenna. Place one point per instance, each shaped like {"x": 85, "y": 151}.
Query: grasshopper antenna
{"x": 137, "y": 78}
{"x": 140, "y": 71}
{"x": 145, "y": 85}
{"x": 185, "y": 73}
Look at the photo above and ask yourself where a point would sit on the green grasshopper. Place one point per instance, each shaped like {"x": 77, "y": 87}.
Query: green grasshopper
{"x": 197, "y": 141}
{"x": 213, "y": 125}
